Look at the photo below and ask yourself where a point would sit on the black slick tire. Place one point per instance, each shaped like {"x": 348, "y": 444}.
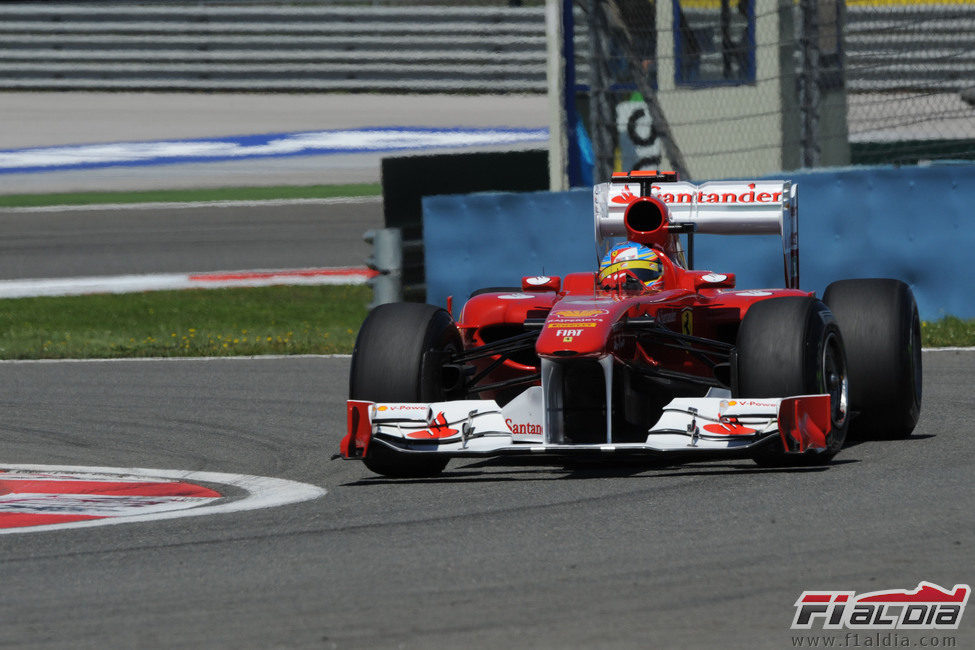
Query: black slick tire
{"x": 397, "y": 358}
{"x": 882, "y": 332}
{"x": 793, "y": 346}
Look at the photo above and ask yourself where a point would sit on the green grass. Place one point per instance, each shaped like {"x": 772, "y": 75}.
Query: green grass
{"x": 948, "y": 332}
{"x": 223, "y": 322}
{"x": 227, "y": 322}
{"x": 217, "y": 194}
{"x": 202, "y": 322}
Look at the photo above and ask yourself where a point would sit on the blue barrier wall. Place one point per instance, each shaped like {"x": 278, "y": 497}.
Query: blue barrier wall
{"x": 910, "y": 223}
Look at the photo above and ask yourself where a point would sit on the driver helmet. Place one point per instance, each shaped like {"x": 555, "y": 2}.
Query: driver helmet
{"x": 631, "y": 266}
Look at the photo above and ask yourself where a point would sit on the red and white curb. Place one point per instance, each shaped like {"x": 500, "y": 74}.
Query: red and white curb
{"x": 168, "y": 281}
{"x": 35, "y": 498}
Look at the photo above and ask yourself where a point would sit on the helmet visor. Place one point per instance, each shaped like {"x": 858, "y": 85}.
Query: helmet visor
{"x": 645, "y": 271}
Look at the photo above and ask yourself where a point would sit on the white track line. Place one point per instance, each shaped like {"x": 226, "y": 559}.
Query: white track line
{"x": 267, "y": 357}
{"x": 262, "y": 492}
{"x": 169, "y": 281}
{"x": 167, "y": 205}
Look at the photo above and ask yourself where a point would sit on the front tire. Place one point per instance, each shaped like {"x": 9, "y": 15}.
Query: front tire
{"x": 882, "y": 331}
{"x": 792, "y": 346}
{"x": 398, "y": 357}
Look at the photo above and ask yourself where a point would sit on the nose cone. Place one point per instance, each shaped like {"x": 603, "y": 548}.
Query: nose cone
{"x": 578, "y": 328}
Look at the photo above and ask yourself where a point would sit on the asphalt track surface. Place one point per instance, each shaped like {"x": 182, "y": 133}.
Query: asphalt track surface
{"x": 159, "y": 240}
{"x": 493, "y": 554}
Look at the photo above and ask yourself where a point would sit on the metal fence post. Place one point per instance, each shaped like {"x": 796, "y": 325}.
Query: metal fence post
{"x": 558, "y": 147}
{"x": 809, "y": 82}
{"x": 600, "y": 115}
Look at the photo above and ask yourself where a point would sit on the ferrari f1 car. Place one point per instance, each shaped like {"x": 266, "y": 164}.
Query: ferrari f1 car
{"x": 695, "y": 368}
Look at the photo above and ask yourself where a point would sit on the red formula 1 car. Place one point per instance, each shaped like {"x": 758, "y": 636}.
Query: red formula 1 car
{"x": 690, "y": 368}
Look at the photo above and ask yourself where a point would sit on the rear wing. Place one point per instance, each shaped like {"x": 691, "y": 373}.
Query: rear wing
{"x": 759, "y": 207}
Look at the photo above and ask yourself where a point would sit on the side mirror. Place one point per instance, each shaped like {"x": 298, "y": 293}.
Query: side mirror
{"x": 541, "y": 283}
{"x": 708, "y": 280}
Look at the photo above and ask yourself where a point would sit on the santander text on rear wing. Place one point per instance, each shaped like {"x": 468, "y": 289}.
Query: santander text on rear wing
{"x": 749, "y": 207}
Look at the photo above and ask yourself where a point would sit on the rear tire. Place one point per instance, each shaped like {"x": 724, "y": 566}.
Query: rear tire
{"x": 882, "y": 332}
{"x": 792, "y": 346}
{"x": 398, "y": 357}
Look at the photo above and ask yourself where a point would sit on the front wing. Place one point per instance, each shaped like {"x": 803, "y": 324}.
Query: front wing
{"x": 480, "y": 428}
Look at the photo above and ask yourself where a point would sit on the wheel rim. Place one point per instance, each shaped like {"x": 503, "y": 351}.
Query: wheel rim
{"x": 835, "y": 380}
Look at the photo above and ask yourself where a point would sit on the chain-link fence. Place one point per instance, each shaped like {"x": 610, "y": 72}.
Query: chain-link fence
{"x": 739, "y": 87}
